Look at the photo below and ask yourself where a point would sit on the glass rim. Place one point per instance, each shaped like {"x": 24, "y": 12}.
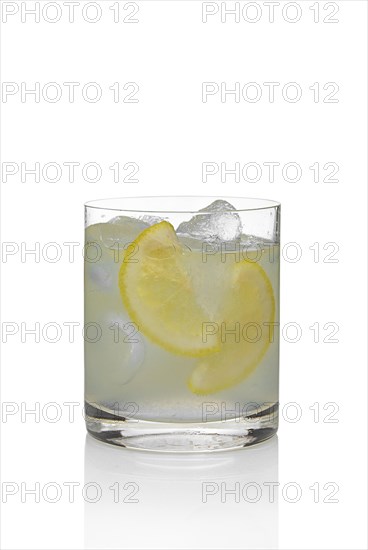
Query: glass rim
{"x": 105, "y": 204}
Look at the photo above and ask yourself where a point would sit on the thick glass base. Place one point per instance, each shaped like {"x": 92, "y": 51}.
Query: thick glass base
{"x": 182, "y": 437}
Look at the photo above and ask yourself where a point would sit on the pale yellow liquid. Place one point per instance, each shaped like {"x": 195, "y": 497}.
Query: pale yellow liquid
{"x": 129, "y": 375}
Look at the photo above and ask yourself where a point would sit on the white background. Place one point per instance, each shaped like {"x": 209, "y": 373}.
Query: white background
{"x": 169, "y": 133}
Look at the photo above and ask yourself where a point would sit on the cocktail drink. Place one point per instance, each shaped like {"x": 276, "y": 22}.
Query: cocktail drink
{"x": 181, "y": 322}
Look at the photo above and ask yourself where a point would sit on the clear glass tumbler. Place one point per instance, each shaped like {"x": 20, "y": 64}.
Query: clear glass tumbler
{"x": 182, "y": 322}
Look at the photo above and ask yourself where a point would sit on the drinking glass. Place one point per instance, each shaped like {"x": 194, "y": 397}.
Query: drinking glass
{"x": 182, "y": 322}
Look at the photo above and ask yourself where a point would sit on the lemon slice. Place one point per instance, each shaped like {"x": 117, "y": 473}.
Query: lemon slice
{"x": 244, "y": 332}
{"x": 156, "y": 286}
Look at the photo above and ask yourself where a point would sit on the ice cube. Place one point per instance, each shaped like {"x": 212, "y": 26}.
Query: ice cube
{"x": 151, "y": 220}
{"x": 134, "y": 345}
{"x": 121, "y": 230}
{"x": 133, "y": 224}
{"x": 219, "y": 223}
{"x": 218, "y": 206}
{"x": 118, "y": 355}
{"x": 100, "y": 275}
